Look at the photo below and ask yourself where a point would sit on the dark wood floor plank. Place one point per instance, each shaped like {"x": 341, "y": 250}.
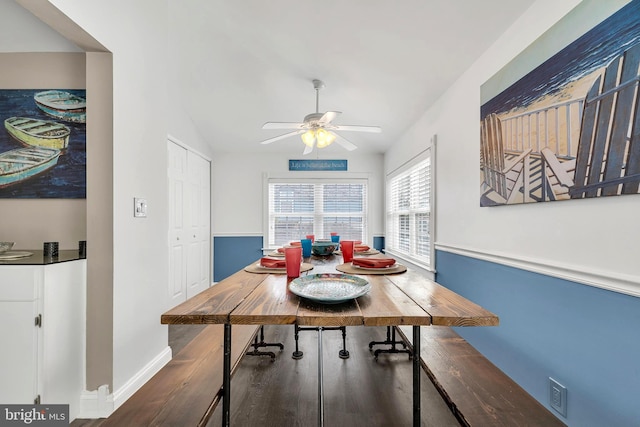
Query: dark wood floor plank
{"x": 359, "y": 392}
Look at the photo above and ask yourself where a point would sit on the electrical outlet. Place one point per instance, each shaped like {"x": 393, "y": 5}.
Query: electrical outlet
{"x": 558, "y": 396}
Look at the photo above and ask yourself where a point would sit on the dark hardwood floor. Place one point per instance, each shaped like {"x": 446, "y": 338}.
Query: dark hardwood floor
{"x": 358, "y": 391}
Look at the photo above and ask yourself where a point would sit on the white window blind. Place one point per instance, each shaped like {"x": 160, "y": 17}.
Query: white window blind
{"x": 408, "y": 228}
{"x": 319, "y": 207}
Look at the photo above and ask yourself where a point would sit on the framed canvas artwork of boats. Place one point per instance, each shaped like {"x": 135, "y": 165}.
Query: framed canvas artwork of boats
{"x": 43, "y": 144}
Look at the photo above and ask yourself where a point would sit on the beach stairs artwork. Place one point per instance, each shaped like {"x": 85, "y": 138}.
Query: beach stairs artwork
{"x": 507, "y": 179}
{"x": 607, "y": 162}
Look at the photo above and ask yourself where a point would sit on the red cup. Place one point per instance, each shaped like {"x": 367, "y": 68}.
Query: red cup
{"x": 311, "y": 237}
{"x": 346, "y": 246}
{"x": 292, "y": 260}
{"x": 334, "y": 234}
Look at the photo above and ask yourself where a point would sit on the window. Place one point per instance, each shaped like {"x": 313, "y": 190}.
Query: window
{"x": 319, "y": 207}
{"x": 409, "y": 209}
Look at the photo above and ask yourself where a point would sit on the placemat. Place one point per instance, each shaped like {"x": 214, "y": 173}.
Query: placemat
{"x": 350, "y": 269}
{"x": 257, "y": 268}
{"x": 369, "y": 252}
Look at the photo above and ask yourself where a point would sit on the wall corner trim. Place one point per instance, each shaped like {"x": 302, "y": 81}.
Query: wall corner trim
{"x": 96, "y": 404}
{"x": 621, "y": 283}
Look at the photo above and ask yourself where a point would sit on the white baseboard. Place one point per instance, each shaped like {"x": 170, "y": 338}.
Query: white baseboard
{"x": 100, "y": 404}
{"x": 611, "y": 281}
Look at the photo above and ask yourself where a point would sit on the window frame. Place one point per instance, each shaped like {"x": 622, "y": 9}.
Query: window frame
{"x": 316, "y": 215}
{"x": 410, "y": 215}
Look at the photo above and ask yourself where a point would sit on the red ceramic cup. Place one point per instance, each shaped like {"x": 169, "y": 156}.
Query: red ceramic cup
{"x": 292, "y": 260}
{"x": 346, "y": 246}
{"x": 310, "y": 237}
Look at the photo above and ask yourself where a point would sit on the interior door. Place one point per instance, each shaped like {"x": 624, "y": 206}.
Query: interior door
{"x": 177, "y": 173}
{"x": 198, "y": 224}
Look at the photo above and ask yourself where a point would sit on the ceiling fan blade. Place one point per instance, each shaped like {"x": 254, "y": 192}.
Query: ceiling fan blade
{"x": 282, "y": 125}
{"x": 328, "y": 117}
{"x": 279, "y": 137}
{"x": 345, "y": 144}
{"x": 358, "y": 128}
{"x": 308, "y": 149}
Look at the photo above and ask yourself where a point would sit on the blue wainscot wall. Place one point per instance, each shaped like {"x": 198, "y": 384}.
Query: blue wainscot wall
{"x": 232, "y": 253}
{"x": 586, "y": 338}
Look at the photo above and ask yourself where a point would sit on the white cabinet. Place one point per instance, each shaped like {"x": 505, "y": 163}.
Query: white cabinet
{"x": 19, "y": 300}
{"x": 42, "y": 329}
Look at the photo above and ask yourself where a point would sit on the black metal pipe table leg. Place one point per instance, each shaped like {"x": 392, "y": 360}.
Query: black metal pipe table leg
{"x": 297, "y": 354}
{"x": 416, "y": 376}
{"x": 261, "y": 343}
{"x": 320, "y": 379}
{"x": 226, "y": 376}
{"x": 344, "y": 353}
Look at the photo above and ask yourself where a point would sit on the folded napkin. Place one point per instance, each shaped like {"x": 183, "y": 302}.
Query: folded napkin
{"x": 373, "y": 262}
{"x": 281, "y": 250}
{"x": 296, "y": 243}
{"x": 361, "y": 248}
{"x": 272, "y": 262}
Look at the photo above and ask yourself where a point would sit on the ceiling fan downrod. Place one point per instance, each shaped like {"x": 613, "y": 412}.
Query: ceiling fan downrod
{"x": 317, "y": 85}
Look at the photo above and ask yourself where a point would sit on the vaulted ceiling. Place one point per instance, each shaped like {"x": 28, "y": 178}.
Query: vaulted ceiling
{"x": 239, "y": 64}
{"x": 235, "y": 65}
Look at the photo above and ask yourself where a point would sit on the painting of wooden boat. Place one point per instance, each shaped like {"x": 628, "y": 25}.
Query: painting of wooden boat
{"x": 62, "y": 105}
{"x": 38, "y": 133}
{"x": 23, "y": 163}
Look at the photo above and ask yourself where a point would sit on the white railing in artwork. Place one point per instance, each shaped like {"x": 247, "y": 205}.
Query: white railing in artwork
{"x": 556, "y": 126}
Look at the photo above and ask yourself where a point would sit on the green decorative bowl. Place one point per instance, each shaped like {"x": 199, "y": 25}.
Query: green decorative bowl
{"x": 323, "y": 248}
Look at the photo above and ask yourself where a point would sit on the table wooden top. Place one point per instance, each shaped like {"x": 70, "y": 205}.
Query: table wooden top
{"x": 408, "y": 298}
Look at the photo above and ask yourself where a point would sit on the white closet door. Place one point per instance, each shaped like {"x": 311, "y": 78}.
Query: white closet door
{"x": 177, "y": 159}
{"x": 189, "y": 223}
{"x": 198, "y": 225}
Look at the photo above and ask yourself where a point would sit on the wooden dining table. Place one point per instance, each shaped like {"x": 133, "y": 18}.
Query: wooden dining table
{"x": 407, "y": 298}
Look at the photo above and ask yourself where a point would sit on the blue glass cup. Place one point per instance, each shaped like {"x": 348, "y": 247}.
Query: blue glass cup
{"x": 335, "y": 238}
{"x": 306, "y": 248}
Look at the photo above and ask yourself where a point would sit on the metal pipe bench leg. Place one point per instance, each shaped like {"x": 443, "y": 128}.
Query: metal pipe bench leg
{"x": 257, "y": 344}
{"x": 392, "y": 341}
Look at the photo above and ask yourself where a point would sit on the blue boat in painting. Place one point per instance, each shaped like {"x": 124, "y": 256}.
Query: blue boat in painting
{"x": 23, "y": 163}
{"x": 62, "y": 105}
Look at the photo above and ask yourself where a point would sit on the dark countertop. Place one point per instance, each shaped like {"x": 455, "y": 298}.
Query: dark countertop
{"x": 38, "y": 258}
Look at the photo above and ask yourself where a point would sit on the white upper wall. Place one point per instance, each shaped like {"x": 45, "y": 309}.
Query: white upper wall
{"x": 592, "y": 241}
{"x": 20, "y": 31}
{"x": 237, "y": 187}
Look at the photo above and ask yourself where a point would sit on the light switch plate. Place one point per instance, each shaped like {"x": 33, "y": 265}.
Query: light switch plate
{"x": 139, "y": 207}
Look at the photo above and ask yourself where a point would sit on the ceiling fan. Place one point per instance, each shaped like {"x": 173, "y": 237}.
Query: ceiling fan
{"x": 317, "y": 128}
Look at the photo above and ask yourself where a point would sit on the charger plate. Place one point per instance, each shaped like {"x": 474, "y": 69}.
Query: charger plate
{"x": 329, "y": 288}
{"x": 257, "y": 268}
{"x": 369, "y": 252}
{"x": 352, "y": 269}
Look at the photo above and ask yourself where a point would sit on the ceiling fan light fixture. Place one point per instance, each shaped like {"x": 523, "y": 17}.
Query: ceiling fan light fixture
{"x": 309, "y": 137}
{"x": 325, "y": 138}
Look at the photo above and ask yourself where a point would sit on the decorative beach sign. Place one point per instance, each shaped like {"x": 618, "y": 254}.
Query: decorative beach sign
{"x": 43, "y": 145}
{"x": 317, "y": 165}
{"x": 569, "y": 128}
